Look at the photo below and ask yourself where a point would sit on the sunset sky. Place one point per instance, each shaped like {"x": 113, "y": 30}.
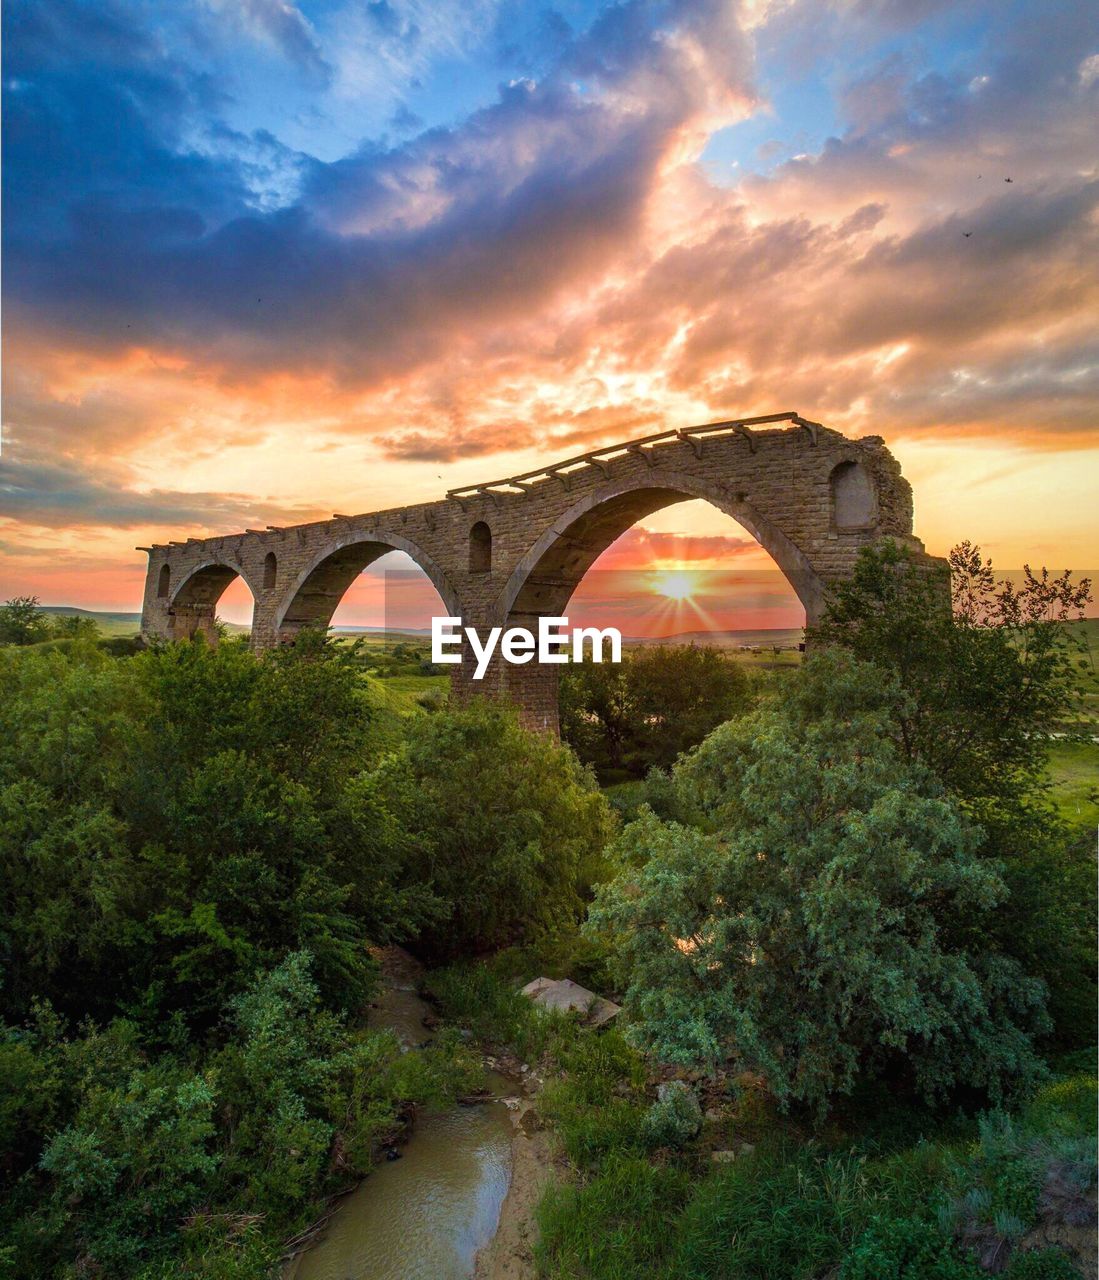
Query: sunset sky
{"x": 264, "y": 262}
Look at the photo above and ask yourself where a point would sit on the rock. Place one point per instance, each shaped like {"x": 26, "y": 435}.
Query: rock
{"x": 566, "y": 996}
{"x": 722, "y": 1157}
{"x": 531, "y": 1122}
{"x": 712, "y": 1116}
{"x": 512, "y": 1104}
{"x": 745, "y": 1148}
{"x": 392, "y": 1153}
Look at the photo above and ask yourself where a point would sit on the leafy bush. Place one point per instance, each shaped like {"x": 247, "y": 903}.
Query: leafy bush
{"x": 199, "y": 847}
{"x": 149, "y": 1164}
{"x": 175, "y": 823}
{"x": 906, "y": 1249}
{"x": 674, "y": 1118}
{"x": 504, "y": 825}
{"x": 1042, "y": 1264}
{"x": 817, "y": 924}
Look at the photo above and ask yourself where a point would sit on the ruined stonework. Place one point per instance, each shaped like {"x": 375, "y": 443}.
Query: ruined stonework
{"x": 510, "y": 551}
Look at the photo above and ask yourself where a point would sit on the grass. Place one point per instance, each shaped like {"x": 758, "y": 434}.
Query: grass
{"x": 407, "y": 695}
{"x": 1074, "y": 772}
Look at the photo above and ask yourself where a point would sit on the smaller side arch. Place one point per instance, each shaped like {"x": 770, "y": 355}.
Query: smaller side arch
{"x": 480, "y": 548}
{"x": 192, "y": 606}
{"x": 163, "y": 582}
{"x": 270, "y": 570}
{"x": 311, "y": 600}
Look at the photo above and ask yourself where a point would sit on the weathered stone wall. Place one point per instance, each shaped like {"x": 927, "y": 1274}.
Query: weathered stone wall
{"x": 777, "y": 483}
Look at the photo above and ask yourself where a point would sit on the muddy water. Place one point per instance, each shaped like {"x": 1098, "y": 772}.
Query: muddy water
{"x": 424, "y": 1216}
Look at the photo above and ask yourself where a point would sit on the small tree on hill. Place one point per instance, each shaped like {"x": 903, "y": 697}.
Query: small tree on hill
{"x": 73, "y": 626}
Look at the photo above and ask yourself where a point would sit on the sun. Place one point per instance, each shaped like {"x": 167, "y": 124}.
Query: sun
{"x": 675, "y": 585}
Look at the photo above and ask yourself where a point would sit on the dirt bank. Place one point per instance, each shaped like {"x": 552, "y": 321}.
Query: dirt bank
{"x": 510, "y": 1253}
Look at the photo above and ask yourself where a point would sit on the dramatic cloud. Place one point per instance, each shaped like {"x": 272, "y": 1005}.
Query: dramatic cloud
{"x": 65, "y": 496}
{"x": 255, "y": 250}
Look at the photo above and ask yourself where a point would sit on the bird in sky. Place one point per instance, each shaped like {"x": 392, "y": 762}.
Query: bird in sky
{"x": 967, "y": 234}
{"x": 1009, "y": 179}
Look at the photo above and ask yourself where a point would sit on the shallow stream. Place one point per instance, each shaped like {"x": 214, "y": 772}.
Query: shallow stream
{"x": 424, "y": 1216}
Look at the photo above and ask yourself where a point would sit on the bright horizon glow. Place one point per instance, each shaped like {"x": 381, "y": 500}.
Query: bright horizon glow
{"x": 676, "y": 584}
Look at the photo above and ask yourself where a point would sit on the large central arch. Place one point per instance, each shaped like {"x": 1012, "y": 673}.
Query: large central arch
{"x": 547, "y": 575}
{"x": 545, "y": 578}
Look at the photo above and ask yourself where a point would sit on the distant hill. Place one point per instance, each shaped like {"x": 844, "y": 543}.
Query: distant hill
{"x": 109, "y": 624}
{"x": 402, "y": 632}
{"x": 763, "y": 638}
{"x": 112, "y": 624}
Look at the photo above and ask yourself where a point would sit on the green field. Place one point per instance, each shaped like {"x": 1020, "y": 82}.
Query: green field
{"x": 1074, "y": 772}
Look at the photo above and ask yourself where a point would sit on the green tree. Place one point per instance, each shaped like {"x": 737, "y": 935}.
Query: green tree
{"x": 22, "y": 621}
{"x": 647, "y": 710}
{"x": 990, "y": 670}
{"x": 174, "y": 823}
{"x": 816, "y": 923}
{"x": 505, "y": 825}
{"x": 989, "y": 667}
{"x": 73, "y": 626}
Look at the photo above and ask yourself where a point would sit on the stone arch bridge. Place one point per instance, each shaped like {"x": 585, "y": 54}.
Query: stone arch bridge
{"x": 509, "y": 551}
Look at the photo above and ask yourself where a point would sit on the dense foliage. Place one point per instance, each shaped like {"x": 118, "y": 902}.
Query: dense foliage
{"x": 175, "y": 823}
{"x": 990, "y": 670}
{"x": 126, "y": 1158}
{"x": 199, "y": 847}
{"x": 817, "y": 923}
{"x": 854, "y": 888}
{"x": 504, "y": 824}
{"x": 651, "y": 707}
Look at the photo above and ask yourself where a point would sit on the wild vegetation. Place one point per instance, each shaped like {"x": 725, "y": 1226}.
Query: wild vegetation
{"x": 642, "y": 713}
{"x": 850, "y": 921}
{"x": 199, "y": 848}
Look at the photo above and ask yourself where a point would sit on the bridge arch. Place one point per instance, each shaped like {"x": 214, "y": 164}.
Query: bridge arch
{"x": 193, "y": 604}
{"x": 545, "y": 578}
{"x": 316, "y": 592}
